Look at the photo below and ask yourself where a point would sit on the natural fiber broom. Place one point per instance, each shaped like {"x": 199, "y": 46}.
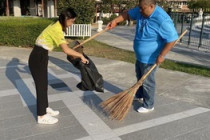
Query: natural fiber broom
{"x": 118, "y": 105}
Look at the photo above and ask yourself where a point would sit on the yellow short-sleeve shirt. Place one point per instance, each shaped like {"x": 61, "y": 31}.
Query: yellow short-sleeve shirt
{"x": 51, "y": 37}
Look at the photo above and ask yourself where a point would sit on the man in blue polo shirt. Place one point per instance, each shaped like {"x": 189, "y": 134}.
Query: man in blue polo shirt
{"x": 155, "y": 36}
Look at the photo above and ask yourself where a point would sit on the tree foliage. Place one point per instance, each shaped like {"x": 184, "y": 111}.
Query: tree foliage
{"x": 197, "y": 4}
{"x": 164, "y": 4}
{"x": 85, "y": 9}
{"x": 108, "y": 6}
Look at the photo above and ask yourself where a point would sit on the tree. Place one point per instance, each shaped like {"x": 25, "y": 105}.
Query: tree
{"x": 197, "y": 4}
{"x": 109, "y": 6}
{"x": 85, "y": 9}
{"x": 164, "y": 4}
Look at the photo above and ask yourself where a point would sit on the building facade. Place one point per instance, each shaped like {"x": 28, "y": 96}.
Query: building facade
{"x": 175, "y": 5}
{"x": 180, "y": 5}
{"x": 42, "y": 8}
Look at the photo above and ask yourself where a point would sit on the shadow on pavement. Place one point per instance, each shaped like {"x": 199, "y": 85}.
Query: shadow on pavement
{"x": 12, "y": 72}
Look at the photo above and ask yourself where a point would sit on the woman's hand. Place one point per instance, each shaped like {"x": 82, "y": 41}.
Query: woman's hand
{"x": 84, "y": 60}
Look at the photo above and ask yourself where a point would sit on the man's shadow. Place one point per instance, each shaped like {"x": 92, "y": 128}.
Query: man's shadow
{"x": 12, "y": 72}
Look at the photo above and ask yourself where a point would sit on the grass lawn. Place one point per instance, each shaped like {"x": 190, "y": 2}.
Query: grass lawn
{"x": 98, "y": 49}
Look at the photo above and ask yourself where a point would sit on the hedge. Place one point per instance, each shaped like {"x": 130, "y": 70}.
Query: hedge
{"x": 21, "y": 31}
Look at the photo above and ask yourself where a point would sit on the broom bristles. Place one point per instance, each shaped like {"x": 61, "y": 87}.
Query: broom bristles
{"x": 118, "y": 105}
{"x": 112, "y": 100}
{"x": 121, "y": 111}
{"x": 109, "y": 108}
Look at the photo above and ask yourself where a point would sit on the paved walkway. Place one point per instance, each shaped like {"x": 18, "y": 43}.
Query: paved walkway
{"x": 182, "y": 106}
{"x": 122, "y": 37}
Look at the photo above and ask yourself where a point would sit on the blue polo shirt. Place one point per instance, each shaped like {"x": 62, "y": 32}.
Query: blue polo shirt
{"x": 152, "y": 33}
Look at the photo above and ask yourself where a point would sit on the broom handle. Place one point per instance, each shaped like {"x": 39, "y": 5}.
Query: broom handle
{"x": 92, "y": 37}
{"x": 150, "y": 70}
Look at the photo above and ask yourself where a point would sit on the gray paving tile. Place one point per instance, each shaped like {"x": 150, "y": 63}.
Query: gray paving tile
{"x": 18, "y": 132}
{"x": 62, "y": 66}
{"x": 80, "y": 109}
{"x": 11, "y": 98}
{"x": 13, "y": 113}
{"x": 65, "y": 129}
{"x": 1, "y": 125}
{"x": 58, "y": 70}
{"x": 85, "y": 138}
{"x": 39, "y": 129}
{"x": 72, "y": 133}
{"x": 64, "y": 112}
{"x": 197, "y": 134}
{"x": 92, "y": 101}
{"x": 3, "y": 62}
{"x": 2, "y": 133}
{"x": 57, "y": 86}
{"x": 58, "y": 61}
{"x": 165, "y": 107}
{"x": 11, "y": 105}
{"x": 5, "y": 83}
{"x": 179, "y": 129}
{"x": 18, "y": 121}
{"x": 57, "y": 104}
{"x": 71, "y": 82}
{"x": 53, "y": 135}
{"x": 53, "y": 91}
{"x": 111, "y": 87}
{"x": 67, "y": 121}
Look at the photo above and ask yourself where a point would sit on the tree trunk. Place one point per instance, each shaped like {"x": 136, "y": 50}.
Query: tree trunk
{"x": 7, "y": 7}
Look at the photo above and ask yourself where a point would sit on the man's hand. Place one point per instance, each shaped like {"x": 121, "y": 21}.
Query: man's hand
{"x": 111, "y": 25}
{"x": 160, "y": 59}
{"x": 120, "y": 18}
{"x": 163, "y": 53}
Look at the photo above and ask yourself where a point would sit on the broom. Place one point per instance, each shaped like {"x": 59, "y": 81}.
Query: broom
{"x": 118, "y": 105}
{"x": 92, "y": 37}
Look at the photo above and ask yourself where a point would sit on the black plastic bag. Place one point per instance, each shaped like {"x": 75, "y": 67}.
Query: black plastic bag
{"x": 91, "y": 79}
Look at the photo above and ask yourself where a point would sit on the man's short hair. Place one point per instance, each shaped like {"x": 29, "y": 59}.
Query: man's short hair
{"x": 148, "y": 1}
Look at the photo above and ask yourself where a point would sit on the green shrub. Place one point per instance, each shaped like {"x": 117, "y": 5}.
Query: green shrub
{"x": 85, "y": 9}
{"x": 21, "y": 31}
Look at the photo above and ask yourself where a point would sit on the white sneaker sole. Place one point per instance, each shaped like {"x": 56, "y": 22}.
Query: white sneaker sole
{"x": 146, "y": 111}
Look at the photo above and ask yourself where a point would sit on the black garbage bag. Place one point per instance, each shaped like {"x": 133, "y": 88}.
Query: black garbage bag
{"x": 91, "y": 79}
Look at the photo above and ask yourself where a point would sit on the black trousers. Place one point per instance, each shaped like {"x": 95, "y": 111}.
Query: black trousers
{"x": 38, "y": 63}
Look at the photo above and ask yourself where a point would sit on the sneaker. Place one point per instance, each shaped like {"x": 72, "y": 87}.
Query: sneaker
{"x": 47, "y": 119}
{"x": 144, "y": 110}
{"x": 52, "y": 112}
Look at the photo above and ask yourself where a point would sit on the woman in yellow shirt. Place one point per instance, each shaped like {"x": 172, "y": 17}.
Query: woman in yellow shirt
{"x": 51, "y": 37}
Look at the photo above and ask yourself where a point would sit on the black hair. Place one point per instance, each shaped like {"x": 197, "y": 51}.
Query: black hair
{"x": 148, "y": 1}
{"x": 64, "y": 15}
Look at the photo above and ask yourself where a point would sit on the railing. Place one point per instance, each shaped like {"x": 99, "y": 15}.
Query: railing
{"x": 198, "y": 29}
{"x": 79, "y": 30}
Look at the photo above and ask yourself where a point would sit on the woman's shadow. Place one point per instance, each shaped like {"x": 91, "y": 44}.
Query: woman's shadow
{"x": 13, "y": 68}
